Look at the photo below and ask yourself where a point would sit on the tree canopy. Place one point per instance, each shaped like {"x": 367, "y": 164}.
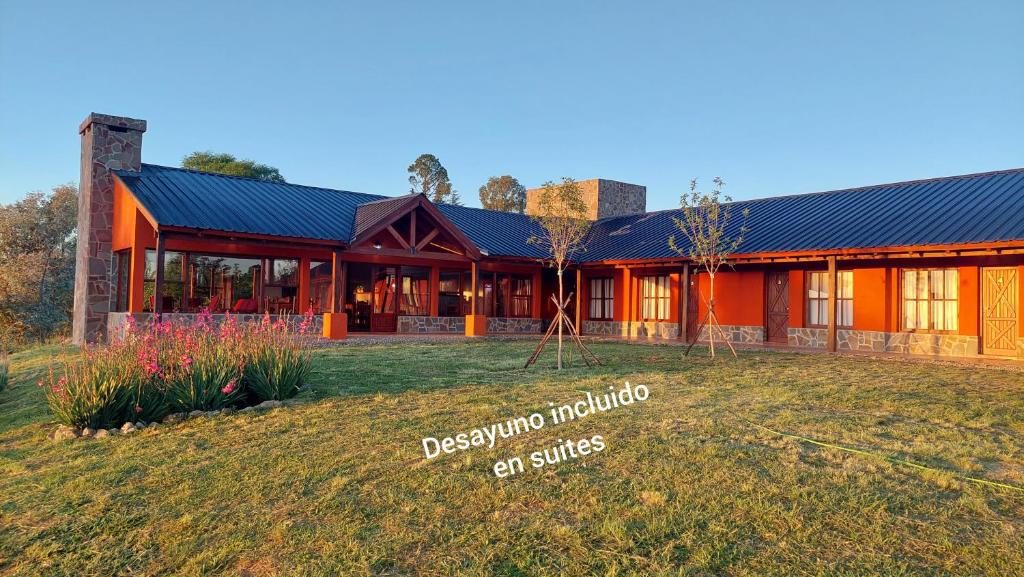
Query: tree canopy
{"x": 503, "y": 193}
{"x": 37, "y": 264}
{"x": 223, "y": 163}
{"x": 428, "y": 176}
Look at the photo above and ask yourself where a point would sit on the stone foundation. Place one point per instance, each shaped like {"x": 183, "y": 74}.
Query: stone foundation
{"x": 882, "y": 342}
{"x": 605, "y": 328}
{"x": 737, "y": 334}
{"x": 807, "y": 337}
{"x": 514, "y": 325}
{"x": 740, "y": 334}
{"x": 456, "y": 325}
{"x": 636, "y": 329}
{"x": 116, "y": 321}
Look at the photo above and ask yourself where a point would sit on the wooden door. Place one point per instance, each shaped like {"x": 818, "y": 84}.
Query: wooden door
{"x": 384, "y": 318}
{"x": 1000, "y": 303}
{"x": 693, "y": 318}
{"x": 777, "y": 306}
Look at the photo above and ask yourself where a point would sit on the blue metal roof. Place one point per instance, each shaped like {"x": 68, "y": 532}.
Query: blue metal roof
{"x": 201, "y": 200}
{"x": 974, "y": 208}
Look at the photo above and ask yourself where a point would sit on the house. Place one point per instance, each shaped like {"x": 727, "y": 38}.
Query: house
{"x": 924, "y": 267}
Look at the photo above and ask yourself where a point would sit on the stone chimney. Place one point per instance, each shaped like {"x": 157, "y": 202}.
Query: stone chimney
{"x": 604, "y": 198}
{"x": 108, "y": 143}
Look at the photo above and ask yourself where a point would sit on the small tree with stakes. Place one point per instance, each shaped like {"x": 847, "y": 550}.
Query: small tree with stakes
{"x": 562, "y": 216}
{"x": 705, "y": 225}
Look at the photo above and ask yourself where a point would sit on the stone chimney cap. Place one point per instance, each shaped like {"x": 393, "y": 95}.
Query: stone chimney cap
{"x": 115, "y": 121}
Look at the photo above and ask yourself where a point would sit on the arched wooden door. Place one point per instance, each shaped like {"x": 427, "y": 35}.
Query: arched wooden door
{"x": 1000, "y": 311}
{"x": 777, "y": 306}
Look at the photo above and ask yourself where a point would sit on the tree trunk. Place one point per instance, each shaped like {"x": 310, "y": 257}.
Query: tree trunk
{"x": 558, "y": 318}
{"x": 711, "y": 313}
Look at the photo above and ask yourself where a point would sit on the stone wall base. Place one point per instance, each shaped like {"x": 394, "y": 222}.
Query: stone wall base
{"x": 736, "y": 334}
{"x": 636, "y": 329}
{"x": 740, "y": 334}
{"x": 116, "y": 321}
{"x": 455, "y": 325}
{"x": 514, "y": 325}
{"x": 883, "y": 342}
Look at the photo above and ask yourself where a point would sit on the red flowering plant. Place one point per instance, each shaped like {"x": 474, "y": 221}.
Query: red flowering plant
{"x": 150, "y": 370}
{"x": 94, "y": 389}
{"x": 276, "y": 359}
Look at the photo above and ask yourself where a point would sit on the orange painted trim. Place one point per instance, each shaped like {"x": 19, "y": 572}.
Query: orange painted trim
{"x": 335, "y": 326}
{"x": 948, "y": 250}
{"x": 476, "y": 325}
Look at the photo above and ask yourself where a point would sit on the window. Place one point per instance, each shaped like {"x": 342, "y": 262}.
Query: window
{"x": 452, "y": 295}
{"x": 817, "y": 298}
{"x": 656, "y": 298}
{"x": 415, "y": 291}
{"x": 930, "y": 299}
{"x": 122, "y": 268}
{"x": 171, "y": 300}
{"x": 521, "y": 293}
{"x": 602, "y": 299}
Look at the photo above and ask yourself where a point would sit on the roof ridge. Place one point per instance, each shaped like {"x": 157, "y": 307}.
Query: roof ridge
{"x": 388, "y": 198}
{"x": 251, "y": 179}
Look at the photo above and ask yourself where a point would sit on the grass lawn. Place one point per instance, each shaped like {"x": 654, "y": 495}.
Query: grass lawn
{"x": 337, "y": 484}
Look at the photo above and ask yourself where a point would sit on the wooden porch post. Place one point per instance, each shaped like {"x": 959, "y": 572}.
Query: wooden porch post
{"x": 476, "y": 323}
{"x": 627, "y": 317}
{"x": 335, "y": 320}
{"x": 158, "y": 288}
{"x": 186, "y": 284}
{"x": 472, "y": 298}
{"x": 832, "y": 288}
{"x": 435, "y": 290}
{"x": 684, "y": 301}
{"x": 303, "y": 298}
{"x": 337, "y": 283}
{"x": 537, "y": 297}
{"x": 579, "y": 296}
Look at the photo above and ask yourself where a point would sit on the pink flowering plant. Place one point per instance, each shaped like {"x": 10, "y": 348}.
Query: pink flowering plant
{"x": 151, "y": 370}
{"x": 276, "y": 366}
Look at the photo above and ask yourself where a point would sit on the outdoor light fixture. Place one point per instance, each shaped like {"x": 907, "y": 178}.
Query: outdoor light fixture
{"x": 376, "y": 245}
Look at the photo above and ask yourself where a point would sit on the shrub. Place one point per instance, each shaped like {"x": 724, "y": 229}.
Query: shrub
{"x": 95, "y": 391}
{"x": 210, "y": 381}
{"x": 276, "y": 373}
{"x": 152, "y": 370}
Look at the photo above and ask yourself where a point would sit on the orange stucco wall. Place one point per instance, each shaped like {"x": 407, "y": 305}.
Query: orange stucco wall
{"x": 739, "y": 296}
{"x": 797, "y": 306}
{"x": 871, "y": 299}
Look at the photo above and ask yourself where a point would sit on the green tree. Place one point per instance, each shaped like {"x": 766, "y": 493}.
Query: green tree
{"x": 223, "y": 163}
{"x": 37, "y": 264}
{"x": 503, "y": 193}
{"x": 428, "y": 176}
{"x": 705, "y": 224}
{"x": 562, "y": 216}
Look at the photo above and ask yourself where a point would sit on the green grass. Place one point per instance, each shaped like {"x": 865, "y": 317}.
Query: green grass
{"x": 337, "y": 484}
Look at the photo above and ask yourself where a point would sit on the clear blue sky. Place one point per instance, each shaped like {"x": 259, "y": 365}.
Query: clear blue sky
{"x": 776, "y": 97}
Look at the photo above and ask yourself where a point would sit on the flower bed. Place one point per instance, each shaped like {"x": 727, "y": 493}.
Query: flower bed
{"x": 158, "y": 369}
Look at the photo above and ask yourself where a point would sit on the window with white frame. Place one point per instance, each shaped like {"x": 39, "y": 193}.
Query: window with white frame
{"x": 817, "y": 299}
{"x": 656, "y": 301}
{"x": 930, "y": 299}
{"x": 602, "y": 299}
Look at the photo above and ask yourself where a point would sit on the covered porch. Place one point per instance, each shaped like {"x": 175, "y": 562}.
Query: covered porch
{"x": 406, "y": 270}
